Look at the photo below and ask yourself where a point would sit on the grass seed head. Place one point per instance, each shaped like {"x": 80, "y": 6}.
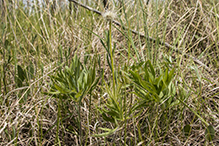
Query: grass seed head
{"x": 109, "y": 15}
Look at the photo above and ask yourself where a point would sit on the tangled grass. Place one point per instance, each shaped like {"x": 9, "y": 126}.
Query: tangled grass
{"x": 71, "y": 77}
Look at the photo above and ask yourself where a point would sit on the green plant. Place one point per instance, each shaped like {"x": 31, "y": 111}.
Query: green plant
{"x": 152, "y": 87}
{"x": 114, "y": 109}
{"x": 74, "y": 83}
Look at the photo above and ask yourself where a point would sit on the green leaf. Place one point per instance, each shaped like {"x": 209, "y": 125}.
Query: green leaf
{"x": 187, "y": 130}
{"x": 151, "y": 67}
{"x": 146, "y": 76}
{"x": 49, "y": 93}
{"x": 109, "y": 62}
{"x": 171, "y": 75}
{"x": 115, "y": 103}
{"x": 21, "y": 73}
{"x": 209, "y": 133}
{"x": 197, "y": 72}
{"x": 30, "y": 70}
{"x": 158, "y": 80}
{"x": 165, "y": 76}
{"x": 109, "y": 132}
{"x": 114, "y": 114}
{"x": 60, "y": 89}
{"x": 148, "y": 86}
{"x": 18, "y": 81}
{"x": 79, "y": 94}
{"x": 135, "y": 75}
{"x": 106, "y": 118}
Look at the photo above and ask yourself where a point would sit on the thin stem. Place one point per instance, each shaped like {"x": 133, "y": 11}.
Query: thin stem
{"x": 58, "y": 118}
{"x": 79, "y": 116}
{"x": 111, "y": 54}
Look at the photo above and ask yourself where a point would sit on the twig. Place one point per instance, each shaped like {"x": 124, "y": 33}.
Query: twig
{"x": 86, "y": 7}
{"x": 142, "y": 35}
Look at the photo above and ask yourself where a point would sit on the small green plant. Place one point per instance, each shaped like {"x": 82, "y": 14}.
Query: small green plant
{"x": 151, "y": 87}
{"x": 74, "y": 83}
{"x": 209, "y": 133}
{"x": 115, "y": 110}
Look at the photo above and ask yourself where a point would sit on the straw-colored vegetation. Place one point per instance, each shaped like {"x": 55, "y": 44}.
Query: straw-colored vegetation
{"x": 70, "y": 76}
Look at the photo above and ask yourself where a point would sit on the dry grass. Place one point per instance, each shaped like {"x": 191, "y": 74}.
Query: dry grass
{"x": 42, "y": 42}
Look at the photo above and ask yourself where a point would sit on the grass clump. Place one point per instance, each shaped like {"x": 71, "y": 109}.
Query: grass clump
{"x": 148, "y": 76}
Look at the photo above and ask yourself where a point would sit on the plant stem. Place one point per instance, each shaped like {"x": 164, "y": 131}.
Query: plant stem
{"x": 58, "y": 118}
{"x": 79, "y": 116}
{"x": 111, "y": 54}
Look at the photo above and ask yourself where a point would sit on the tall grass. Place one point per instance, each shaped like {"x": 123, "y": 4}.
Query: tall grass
{"x": 71, "y": 77}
